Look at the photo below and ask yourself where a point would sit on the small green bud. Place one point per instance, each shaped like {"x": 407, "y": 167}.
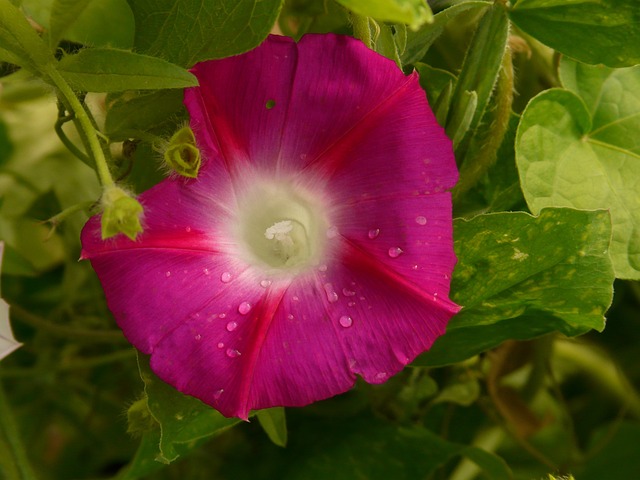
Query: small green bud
{"x": 182, "y": 155}
{"x": 139, "y": 418}
{"x": 120, "y": 214}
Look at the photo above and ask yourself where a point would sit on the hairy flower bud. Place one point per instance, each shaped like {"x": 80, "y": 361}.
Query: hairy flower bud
{"x": 121, "y": 214}
{"x": 182, "y": 155}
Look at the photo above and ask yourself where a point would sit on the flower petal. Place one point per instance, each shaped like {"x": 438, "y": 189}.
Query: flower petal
{"x": 347, "y": 127}
{"x": 265, "y": 357}
{"x": 242, "y": 103}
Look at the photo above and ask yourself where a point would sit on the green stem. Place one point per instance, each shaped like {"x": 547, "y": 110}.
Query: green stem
{"x": 85, "y": 124}
{"x": 63, "y": 330}
{"x": 11, "y": 436}
{"x": 488, "y": 440}
{"x": 602, "y": 369}
{"x": 62, "y": 119}
{"x": 76, "y": 364}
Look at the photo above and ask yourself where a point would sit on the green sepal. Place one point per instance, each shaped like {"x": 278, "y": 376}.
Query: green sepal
{"x": 139, "y": 418}
{"x": 121, "y": 214}
{"x": 182, "y": 155}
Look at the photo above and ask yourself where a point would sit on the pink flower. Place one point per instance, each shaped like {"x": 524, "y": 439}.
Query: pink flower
{"x": 315, "y": 244}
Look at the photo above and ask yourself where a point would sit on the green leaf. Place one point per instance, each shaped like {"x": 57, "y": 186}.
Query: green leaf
{"x": 580, "y": 149}
{"x": 274, "y": 423}
{"x": 438, "y": 84}
{"x": 104, "y": 23}
{"x": 183, "y": 420}
{"x": 187, "y": 31}
{"x": 613, "y": 449}
{"x": 419, "y": 41}
{"x": 366, "y": 447}
{"x": 479, "y": 73}
{"x": 141, "y": 113}
{"x": 111, "y": 70}
{"x": 594, "y": 32}
{"x": 412, "y": 12}
{"x": 519, "y": 277}
{"x": 144, "y": 461}
{"x": 23, "y": 44}
{"x": 64, "y": 13}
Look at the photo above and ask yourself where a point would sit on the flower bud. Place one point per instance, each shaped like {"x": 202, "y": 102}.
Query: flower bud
{"x": 182, "y": 155}
{"x": 121, "y": 214}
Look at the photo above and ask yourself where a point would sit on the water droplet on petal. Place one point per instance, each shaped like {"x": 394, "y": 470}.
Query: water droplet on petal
{"x": 290, "y": 317}
{"x": 222, "y": 315}
{"x": 205, "y": 271}
{"x": 198, "y": 337}
{"x": 188, "y": 229}
{"x": 231, "y": 326}
{"x": 380, "y": 376}
{"x": 225, "y": 277}
{"x": 373, "y": 233}
{"x": 265, "y": 283}
{"x": 348, "y": 293}
{"x": 395, "y": 252}
{"x": 332, "y": 296}
{"x": 218, "y": 393}
{"x": 244, "y": 308}
{"x": 346, "y": 321}
{"x": 168, "y": 274}
{"x": 233, "y": 353}
{"x": 295, "y": 298}
{"x": 420, "y": 220}
{"x": 352, "y": 304}
{"x": 332, "y": 232}
{"x": 220, "y": 345}
{"x": 414, "y": 267}
{"x": 322, "y": 268}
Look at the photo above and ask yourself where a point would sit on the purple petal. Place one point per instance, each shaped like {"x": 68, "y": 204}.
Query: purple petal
{"x": 342, "y": 123}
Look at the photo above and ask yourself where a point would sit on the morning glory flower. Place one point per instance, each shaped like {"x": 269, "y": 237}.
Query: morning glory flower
{"x": 314, "y": 245}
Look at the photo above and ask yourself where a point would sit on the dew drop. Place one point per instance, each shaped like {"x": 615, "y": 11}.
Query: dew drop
{"x": 346, "y": 321}
{"x": 220, "y": 345}
{"x": 231, "y": 326}
{"x": 332, "y": 296}
{"x": 222, "y": 315}
{"x": 233, "y": 353}
{"x": 348, "y": 293}
{"x": 218, "y": 393}
{"x": 225, "y": 277}
{"x": 332, "y": 232}
{"x": 295, "y": 298}
{"x": 414, "y": 267}
{"x": 188, "y": 229}
{"x": 420, "y": 220}
{"x": 205, "y": 271}
{"x": 244, "y": 308}
{"x": 198, "y": 337}
{"x": 322, "y": 268}
{"x": 265, "y": 283}
{"x": 380, "y": 376}
{"x": 352, "y": 304}
{"x": 395, "y": 252}
{"x": 373, "y": 233}
{"x": 168, "y": 274}
{"x": 290, "y": 316}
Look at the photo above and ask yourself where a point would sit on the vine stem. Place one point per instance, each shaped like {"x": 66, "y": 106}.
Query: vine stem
{"x": 9, "y": 430}
{"x": 64, "y": 330}
{"x": 91, "y": 134}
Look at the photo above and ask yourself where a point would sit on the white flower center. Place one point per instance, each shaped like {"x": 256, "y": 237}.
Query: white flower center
{"x": 282, "y": 227}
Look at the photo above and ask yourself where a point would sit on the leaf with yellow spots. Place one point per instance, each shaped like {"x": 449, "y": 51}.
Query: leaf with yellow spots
{"x": 520, "y": 277}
